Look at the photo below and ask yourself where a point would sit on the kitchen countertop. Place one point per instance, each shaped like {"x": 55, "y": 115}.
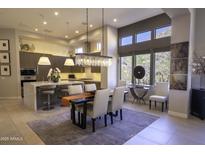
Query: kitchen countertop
{"x": 45, "y": 83}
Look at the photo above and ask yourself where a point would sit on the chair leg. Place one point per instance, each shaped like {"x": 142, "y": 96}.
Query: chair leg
{"x": 111, "y": 117}
{"x": 155, "y": 104}
{"x": 162, "y": 106}
{"x": 150, "y": 102}
{"x": 105, "y": 118}
{"x": 116, "y": 113}
{"x": 79, "y": 118}
{"x": 133, "y": 101}
{"x": 120, "y": 114}
{"x": 166, "y": 103}
{"x": 93, "y": 124}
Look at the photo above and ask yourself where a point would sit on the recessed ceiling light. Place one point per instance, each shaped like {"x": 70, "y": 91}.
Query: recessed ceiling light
{"x": 36, "y": 29}
{"x": 91, "y": 25}
{"x": 76, "y": 31}
{"x": 66, "y": 36}
{"x": 115, "y": 20}
{"x": 45, "y": 22}
{"x": 56, "y": 13}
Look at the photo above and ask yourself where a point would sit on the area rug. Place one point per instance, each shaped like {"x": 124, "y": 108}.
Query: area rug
{"x": 60, "y": 130}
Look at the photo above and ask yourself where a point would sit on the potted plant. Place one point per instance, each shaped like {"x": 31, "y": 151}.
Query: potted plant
{"x": 54, "y": 75}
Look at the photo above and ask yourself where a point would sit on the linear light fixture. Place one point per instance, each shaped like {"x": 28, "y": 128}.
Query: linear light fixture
{"x": 87, "y": 59}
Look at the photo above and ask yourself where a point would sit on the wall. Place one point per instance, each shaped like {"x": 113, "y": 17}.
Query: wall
{"x": 149, "y": 24}
{"x": 200, "y": 32}
{"x": 179, "y": 100}
{"x": 10, "y": 86}
{"x": 109, "y": 74}
{"x": 44, "y": 44}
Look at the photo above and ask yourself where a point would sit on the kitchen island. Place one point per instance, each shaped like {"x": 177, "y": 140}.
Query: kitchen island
{"x": 31, "y": 98}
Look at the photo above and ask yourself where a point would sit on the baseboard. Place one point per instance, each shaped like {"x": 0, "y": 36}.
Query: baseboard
{"x": 178, "y": 114}
{"x": 10, "y": 98}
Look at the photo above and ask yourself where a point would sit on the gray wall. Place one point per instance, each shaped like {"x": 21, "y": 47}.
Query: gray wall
{"x": 10, "y": 86}
{"x": 200, "y": 32}
{"x": 149, "y": 24}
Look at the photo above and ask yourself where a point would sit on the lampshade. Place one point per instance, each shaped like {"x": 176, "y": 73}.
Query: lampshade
{"x": 44, "y": 61}
{"x": 69, "y": 62}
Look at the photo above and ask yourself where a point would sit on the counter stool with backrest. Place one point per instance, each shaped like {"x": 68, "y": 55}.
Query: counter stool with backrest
{"x": 116, "y": 103}
{"x": 161, "y": 92}
{"x": 49, "y": 91}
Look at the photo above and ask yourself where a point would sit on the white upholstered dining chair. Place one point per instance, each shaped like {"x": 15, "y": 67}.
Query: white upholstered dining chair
{"x": 116, "y": 103}
{"x": 99, "y": 107}
{"x": 161, "y": 93}
{"x": 90, "y": 87}
{"x": 75, "y": 89}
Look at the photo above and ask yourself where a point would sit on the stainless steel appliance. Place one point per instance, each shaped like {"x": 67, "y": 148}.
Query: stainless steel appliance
{"x": 27, "y": 75}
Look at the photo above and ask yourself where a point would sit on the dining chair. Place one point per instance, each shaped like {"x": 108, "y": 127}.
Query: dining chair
{"x": 75, "y": 89}
{"x": 99, "y": 107}
{"x": 161, "y": 92}
{"x": 90, "y": 87}
{"x": 116, "y": 104}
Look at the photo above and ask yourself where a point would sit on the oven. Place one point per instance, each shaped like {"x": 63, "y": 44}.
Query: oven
{"x": 27, "y": 75}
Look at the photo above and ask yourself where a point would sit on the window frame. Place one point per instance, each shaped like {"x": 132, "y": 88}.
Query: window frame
{"x": 120, "y": 40}
{"x": 152, "y": 64}
{"x": 141, "y": 33}
{"x": 155, "y": 31}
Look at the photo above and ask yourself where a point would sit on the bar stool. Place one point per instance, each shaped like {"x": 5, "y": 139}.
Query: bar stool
{"x": 49, "y": 91}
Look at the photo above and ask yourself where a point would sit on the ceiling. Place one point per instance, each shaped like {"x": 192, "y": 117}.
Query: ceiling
{"x": 29, "y": 19}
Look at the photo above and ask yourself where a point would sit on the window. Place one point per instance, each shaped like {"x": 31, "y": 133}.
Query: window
{"x": 162, "y": 66}
{"x": 142, "y": 37}
{"x": 163, "y": 32}
{"x": 144, "y": 60}
{"x": 79, "y": 50}
{"x": 126, "y": 69}
{"x": 98, "y": 46}
{"x": 126, "y": 41}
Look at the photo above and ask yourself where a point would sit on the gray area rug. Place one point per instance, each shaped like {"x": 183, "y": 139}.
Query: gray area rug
{"x": 60, "y": 130}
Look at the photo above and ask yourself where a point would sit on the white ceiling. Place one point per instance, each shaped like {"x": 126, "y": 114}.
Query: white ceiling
{"x": 29, "y": 19}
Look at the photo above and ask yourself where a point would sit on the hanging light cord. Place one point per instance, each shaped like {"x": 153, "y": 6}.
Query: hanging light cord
{"x": 102, "y": 31}
{"x": 87, "y": 27}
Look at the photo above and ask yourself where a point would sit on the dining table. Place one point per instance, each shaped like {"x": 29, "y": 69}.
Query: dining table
{"x": 82, "y": 99}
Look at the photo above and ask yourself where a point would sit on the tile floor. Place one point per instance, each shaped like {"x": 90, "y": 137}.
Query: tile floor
{"x": 166, "y": 130}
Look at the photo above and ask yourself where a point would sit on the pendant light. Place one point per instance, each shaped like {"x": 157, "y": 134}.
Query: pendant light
{"x": 68, "y": 61}
{"x": 87, "y": 59}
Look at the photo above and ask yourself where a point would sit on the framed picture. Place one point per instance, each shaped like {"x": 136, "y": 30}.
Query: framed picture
{"x": 178, "y": 81}
{"x": 179, "y": 66}
{"x": 180, "y": 50}
{"x": 4, "y": 58}
{"x": 5, "y": 70}
{"x": 4, "y": 45}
